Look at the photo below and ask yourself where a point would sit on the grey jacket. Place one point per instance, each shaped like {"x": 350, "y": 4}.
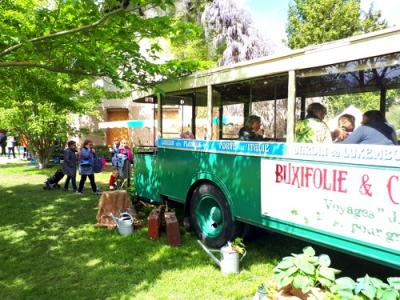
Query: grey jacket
{"x": 375, "y": 135}
{"x": 70, "y": 162}
{"x": 86, "y": 154}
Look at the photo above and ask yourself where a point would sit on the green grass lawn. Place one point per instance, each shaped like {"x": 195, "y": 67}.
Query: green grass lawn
{"x": 51, "y": 249}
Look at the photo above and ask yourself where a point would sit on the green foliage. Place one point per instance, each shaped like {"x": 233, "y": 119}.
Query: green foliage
{"x": 83, "y": 261}
{"x": 196, "y": 46}
{"x": 318, "y": 21}
{"x": 366, "y": 101}
{"x": 238, "y": 245}
{"x": 371, "y": 20}
{"x": 363, "y": 101}
{"x": 40, "y": 123}
{"x": 191, "y": 45}
{"x": 39, "y": 108}
{"x": 373, "y": 288}
{"x": 88, "y": 38}
{"x": 393, "y": 115}
{"x": 102, "y": 151}
{"x": 304, "y": 132}
{"x": 305, "y": 271}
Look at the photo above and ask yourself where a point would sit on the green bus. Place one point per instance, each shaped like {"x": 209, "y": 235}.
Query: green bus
{"x": 346, "y": 197}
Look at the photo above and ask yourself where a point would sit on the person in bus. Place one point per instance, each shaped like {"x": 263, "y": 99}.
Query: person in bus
{"x": 346, "y": 125}
{"x": 252, "y": 129}
{"x": 374, "y": 129}
{"x": 186, "y": 134}
{"x": 313, "y": 129}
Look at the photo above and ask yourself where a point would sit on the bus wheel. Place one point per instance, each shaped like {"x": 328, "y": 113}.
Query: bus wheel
{"x": 211, "y": 217}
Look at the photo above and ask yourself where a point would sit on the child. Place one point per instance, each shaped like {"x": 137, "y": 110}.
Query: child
{"x": 113, "y": 180}
{"x": 347, "y": 122}
{"x": 346, "y": 125}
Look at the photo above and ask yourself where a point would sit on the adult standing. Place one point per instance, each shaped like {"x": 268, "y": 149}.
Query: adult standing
{"x": 86, "y": 159}
{"x": 3, "y": 143}
{"x": 374, "y": 130}
{"x": 129, "y": 156}
{"x": 70, "y": 165}
{"x": 11, "y": 146}
{"x": 115, "y": 151}
{"x": 313, "y": 129}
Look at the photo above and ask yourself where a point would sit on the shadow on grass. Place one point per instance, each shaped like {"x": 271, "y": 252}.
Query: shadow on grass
{"x": 27, "y": 169}
{"x": 351, "y": 266}
{"x": 50, "y": 248}
{"x": 274, "y": 246}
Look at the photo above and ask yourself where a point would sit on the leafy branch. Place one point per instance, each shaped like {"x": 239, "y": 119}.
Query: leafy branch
{"x": 70, "y": 31}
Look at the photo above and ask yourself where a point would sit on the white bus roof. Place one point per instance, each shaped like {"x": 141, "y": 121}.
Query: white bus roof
{"x": 357, "y": 47}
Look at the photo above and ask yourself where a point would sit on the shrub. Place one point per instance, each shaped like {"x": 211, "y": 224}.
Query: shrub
{"x": 102, "y": 151}
{"x": 304, "y": 272}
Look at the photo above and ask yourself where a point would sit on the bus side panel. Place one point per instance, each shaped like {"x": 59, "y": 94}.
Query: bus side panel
{"x": 146, "y": 178}
{"x": 177, "y": 168}
{"x": 365, "y": 250}
{"x": 236, "y": 175}
{"x": 239, "y": 177}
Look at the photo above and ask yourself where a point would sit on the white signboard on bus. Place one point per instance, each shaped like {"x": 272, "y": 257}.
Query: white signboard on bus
{"x": 348, "y": 200}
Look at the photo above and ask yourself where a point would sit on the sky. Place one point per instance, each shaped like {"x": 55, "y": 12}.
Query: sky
{"x": 270, "y": 16}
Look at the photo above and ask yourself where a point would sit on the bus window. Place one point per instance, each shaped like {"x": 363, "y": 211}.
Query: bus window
{"x": 201, "y": 122}
{"x": 147, "y": 111}
{"x": 232, "y": 120}
{"x": 230, "y": 104}
{"x": 269, "y": 101}
{"x": 185, "y": 114}
{"x": 265, "y": 97}
{"x": 359, "y": 86}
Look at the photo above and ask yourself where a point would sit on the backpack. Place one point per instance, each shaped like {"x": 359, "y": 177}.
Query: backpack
{"x": 97, "y": 164}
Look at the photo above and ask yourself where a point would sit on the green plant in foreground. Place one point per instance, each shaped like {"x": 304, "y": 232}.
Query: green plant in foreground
{"x": 367, "y": 288}
{"x": 373, "y": 288}
{"x": 238, "y": 245}
{"x": 305, "y": 271}
{"x": 343, "y": 287}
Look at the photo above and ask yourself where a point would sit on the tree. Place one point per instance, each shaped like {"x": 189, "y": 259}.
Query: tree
{"x": 40, "y": 109}
{"x": 319, "y": 21}
{"x": 228, "y": 33}
{"x": 88, "y": 38}
{"x": 48, "y": 48}
{"x": 191, "y": 45}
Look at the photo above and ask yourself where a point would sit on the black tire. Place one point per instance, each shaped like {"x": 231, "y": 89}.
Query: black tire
{"x": 211, "y": 217}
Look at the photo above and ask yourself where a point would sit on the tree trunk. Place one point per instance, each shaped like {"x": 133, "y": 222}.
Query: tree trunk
{"x": 43, "y": 162}
{"x": 44, "y": 153}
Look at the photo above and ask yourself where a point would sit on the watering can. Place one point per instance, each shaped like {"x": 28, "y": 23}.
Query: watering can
{"x": 124, "y": 223}
{"x": 230, "y": 259}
